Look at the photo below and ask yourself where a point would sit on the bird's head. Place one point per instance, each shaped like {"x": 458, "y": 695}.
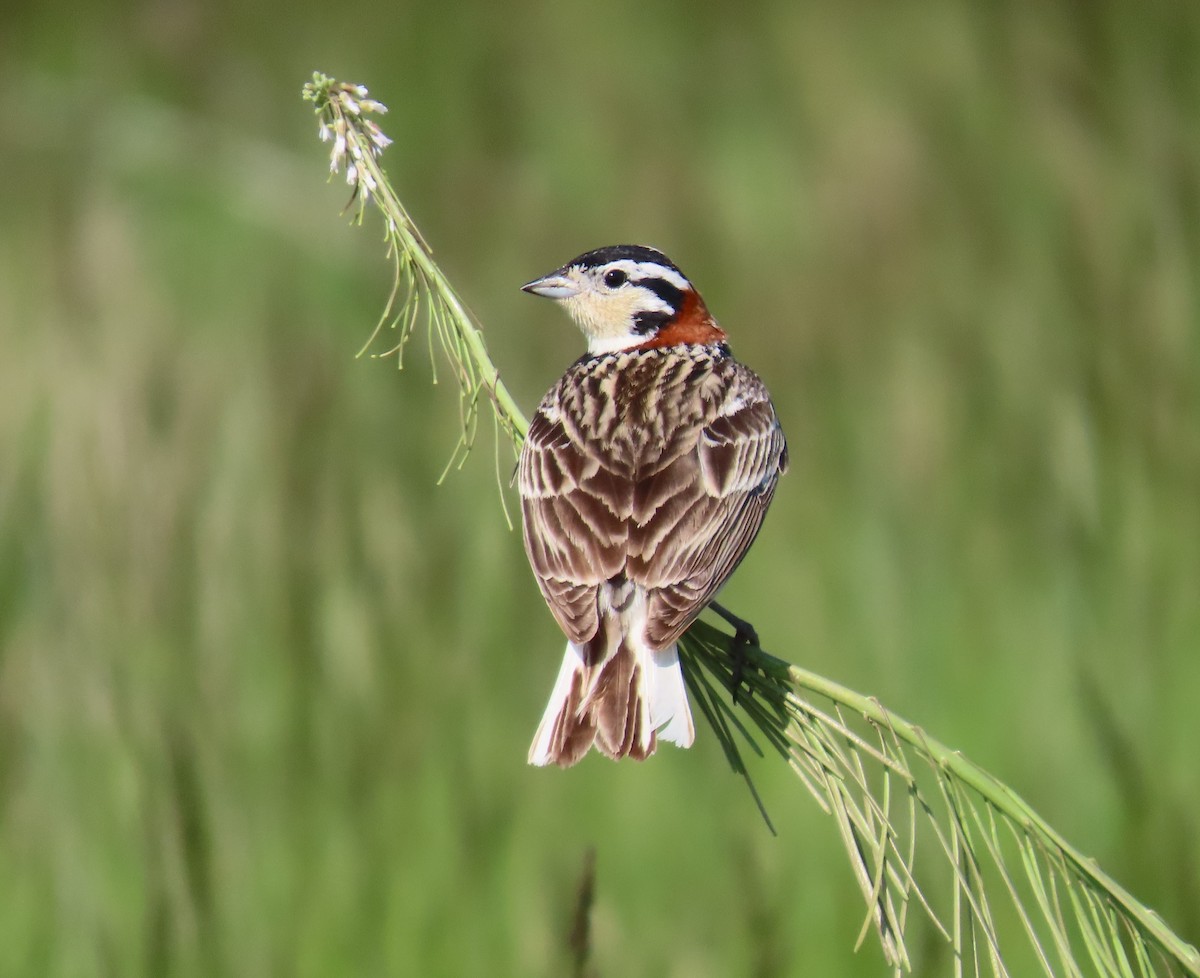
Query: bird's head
{"x": 628, "y": 297}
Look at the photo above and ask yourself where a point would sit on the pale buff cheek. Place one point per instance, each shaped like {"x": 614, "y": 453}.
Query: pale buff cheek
{"x": 603, "y": 316}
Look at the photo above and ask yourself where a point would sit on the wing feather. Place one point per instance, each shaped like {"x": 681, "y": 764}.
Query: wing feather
{"x": 739, "y": 459}
{"x": 574, "y": 542}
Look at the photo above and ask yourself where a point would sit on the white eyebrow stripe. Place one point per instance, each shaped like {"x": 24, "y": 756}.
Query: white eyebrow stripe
{"x": 649, "y": 269}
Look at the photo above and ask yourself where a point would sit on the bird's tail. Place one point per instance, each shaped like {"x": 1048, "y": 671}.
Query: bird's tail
{"x": 617, "y": 694}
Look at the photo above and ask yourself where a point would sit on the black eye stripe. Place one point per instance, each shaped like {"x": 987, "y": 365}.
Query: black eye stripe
{"x": 670, "y": 294}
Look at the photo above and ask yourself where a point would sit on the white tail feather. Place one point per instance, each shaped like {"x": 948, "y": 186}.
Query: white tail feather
{"x": 572, "y": 664}
{"x": 666, "y": 692}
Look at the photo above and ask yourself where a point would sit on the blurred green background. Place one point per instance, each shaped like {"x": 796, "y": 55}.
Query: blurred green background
{"x": 266, "y": 690}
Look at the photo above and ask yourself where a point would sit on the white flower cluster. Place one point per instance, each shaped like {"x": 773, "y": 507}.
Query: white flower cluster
{"x": 342, "y": 120}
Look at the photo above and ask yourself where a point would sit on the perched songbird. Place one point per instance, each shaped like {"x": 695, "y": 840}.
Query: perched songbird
{"x": 644, "y": 478}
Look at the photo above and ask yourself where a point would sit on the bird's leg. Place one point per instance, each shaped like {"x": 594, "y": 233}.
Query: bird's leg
{"x": 743, "y": 635}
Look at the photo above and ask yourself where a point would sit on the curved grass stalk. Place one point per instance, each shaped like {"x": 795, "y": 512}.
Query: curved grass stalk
{"x": 907, "y": 808}
{"x": 854, "y": 755}
{"x": 418, "y": 286}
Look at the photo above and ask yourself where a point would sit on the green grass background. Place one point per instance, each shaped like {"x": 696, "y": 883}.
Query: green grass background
{"x": 266, "y": 691}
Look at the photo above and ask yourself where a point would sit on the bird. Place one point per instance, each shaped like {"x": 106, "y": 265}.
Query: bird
{"x": 644, "y": 477}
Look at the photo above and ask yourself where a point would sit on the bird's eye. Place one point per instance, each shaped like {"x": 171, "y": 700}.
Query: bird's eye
{"x": 614, "y": 278}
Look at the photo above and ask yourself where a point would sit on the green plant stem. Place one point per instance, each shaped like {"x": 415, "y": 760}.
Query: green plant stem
{"x": 1003, "y": 799}
{"x": 510, "y": 414}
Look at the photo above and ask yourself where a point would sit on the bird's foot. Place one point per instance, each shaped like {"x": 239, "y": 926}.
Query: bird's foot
{"x": 743, "y": 637}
